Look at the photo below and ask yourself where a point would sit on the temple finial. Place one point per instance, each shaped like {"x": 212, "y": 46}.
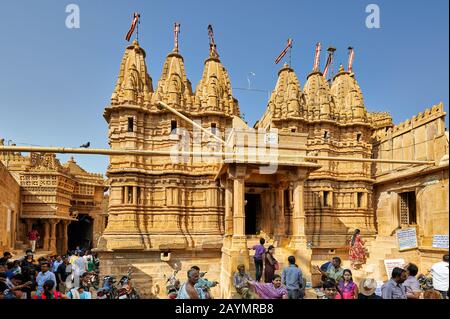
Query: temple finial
{"x": 176, "y": 32}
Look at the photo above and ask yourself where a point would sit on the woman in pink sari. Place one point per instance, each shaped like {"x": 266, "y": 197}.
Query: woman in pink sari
{"x": 347, "y": 288}
{"x": 357, "y": 253}
{"x": 273, "y": 290}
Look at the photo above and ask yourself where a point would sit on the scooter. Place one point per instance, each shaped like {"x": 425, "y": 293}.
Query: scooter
{"x": 108, "y": 291}
{"x": 126, "y": 290}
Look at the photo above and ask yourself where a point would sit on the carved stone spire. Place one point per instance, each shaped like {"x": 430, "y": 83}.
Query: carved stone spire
{"x": 134, "y": 85}
{"x": 348, "y": 97}
{"x": 213, "y": 92}
{"x": 319, "y": 100}
{"x": 173, "y": 86}
{"x": 287, "y": 98}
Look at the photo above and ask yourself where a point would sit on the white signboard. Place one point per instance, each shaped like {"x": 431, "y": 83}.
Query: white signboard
{"x": 390, "y": 264}
{"x": 407, "y": 239}
{"x": 271, "y": 138}
{"x": 440, "y": 241}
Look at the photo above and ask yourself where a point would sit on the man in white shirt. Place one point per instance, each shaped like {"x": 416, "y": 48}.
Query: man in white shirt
{"x": 440, "y": 276}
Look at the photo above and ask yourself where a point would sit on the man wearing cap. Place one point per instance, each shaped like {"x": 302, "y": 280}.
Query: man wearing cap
{"x": 367, "y": 289}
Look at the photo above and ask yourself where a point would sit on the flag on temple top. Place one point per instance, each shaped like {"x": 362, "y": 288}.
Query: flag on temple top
{"x": 134, "y": 23}
{"x": 283, "y": 53}
{"x": 329, "y": 61}
{"x": 211, "y": 34}
{"x": 350, "y": 59}
{"x": 316, "y": 58}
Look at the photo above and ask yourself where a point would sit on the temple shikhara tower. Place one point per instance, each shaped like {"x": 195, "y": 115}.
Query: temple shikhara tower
{"x": 170, "y": 211}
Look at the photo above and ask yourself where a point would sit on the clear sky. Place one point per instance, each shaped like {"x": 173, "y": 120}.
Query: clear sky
{"x": 55, "y": 81}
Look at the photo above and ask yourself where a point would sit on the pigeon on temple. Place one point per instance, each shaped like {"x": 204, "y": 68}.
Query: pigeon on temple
{"x": 86, "y": 145}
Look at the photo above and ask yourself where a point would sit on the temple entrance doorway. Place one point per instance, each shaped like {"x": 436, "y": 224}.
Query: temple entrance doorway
{"x": 80, "y": 232}
{"x": 252, "y": 214}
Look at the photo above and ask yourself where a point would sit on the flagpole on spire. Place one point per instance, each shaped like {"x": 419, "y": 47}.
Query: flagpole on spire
{"x": 329, "y": 64}
{"x": 351, "y": 54}
{"x": 134, "y": 25}
{"x": 283, "y": 53}
{"x": 176, "y": 31}
{"x": 316, "y": 58}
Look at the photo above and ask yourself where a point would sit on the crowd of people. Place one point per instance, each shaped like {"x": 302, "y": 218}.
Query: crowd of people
{"x": 54, "y": 277}
{"x": 71, "y": 277}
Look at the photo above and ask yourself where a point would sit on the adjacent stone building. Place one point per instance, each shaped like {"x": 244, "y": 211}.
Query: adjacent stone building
{"x": 171, "y": 211}
{"x": 63, "y": 202}
{"x": 9, "y": 209}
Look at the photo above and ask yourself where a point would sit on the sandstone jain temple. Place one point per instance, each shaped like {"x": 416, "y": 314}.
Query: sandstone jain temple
{"x": 167, "y": 212}
{"x": 165, "y": 215}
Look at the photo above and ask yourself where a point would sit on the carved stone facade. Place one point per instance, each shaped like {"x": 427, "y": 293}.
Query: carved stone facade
{"x": 52, "y": 197}
{"x": 170, "y": 212}
{"x": 9, "y": 209}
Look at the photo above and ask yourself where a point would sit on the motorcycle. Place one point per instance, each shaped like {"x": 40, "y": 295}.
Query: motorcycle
{"x": 126, "y": 290}
{"x": 172, "y": 286}
{"x": 108, "y": 291}
{"x": 426, "y": 281}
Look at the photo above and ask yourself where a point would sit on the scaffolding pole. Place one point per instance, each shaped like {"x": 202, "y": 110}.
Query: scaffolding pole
{"x": 101, "y": 151}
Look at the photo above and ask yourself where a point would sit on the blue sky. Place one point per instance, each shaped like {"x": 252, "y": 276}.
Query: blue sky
{"x": 55, "y": 81}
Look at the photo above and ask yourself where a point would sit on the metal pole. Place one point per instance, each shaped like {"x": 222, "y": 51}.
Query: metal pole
{"x": 98, "y": 151}
{"x": 191, "y": 121}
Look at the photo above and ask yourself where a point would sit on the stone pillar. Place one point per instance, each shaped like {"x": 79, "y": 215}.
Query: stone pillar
{"x": 228, "y": 208}
{"x": 298, "y": 243}
{"x": 239, "y": 206}
{"x": 65, "y": 237}
{"x": 239, "y": 239}
{"x": 135, "y": 195}
{"x": 279, "y": 210}
{"x": 126, "y": 195}
{"x": 46, "y": 235}
{"x": 52, "y": 243}
{"x": 298, "y": 214}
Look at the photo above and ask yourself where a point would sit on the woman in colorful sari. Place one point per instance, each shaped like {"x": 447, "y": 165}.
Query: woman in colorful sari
{"x": 346, "y": 287}
{"x": 357, "y": 253}
{"x": 273, "y": 290}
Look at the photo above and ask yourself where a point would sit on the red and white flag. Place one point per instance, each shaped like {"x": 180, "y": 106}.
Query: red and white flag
{"x": 328, "y": 64}
{"x": 282, "y": 54}
{"x": 134, "y": 23}
{"x": 316, "y": 58}
{"x": 351, "y": 54}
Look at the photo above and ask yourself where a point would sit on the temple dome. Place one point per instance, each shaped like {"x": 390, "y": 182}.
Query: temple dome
{"x": 173, "y": 86}
{"x": 348, "y": 97}
{"x": 287, "y": 99}
{"x": 134, "y": 85}
{"x": 319, "y": 101}
{"x": 213, "y": 92}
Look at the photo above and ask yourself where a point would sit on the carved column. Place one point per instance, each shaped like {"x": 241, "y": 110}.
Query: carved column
{"x": 279, "y": 209}
{"x": 135, "y": 195}
{"x": 46, "y": 235}
{"x": 298, "y": 214}
{"x": 126, "y": 195}
{"x": 52, "y": 242}
{"x": 65, "y": 237}
{"x": 239, "y": 238}
{"x": 228, "y": 208}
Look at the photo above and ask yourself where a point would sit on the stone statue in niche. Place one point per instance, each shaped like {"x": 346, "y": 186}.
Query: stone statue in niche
{"x": 175, "y": 91}
{"x": 213, "y": 94}
{"x": 293, "y": 102}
